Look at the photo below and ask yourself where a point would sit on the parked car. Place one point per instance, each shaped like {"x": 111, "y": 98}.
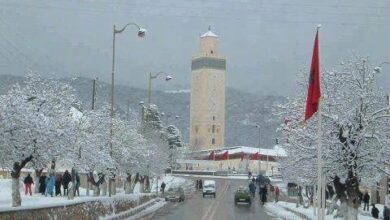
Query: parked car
{"x": 175, "y": 194}
{"x": 209, "y": 188}
{"x": 242, "y": 195}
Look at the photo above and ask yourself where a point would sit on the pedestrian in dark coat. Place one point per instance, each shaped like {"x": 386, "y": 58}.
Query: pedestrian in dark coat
{"x": 28, "y": 181}
{"x": 163, "y": 188}
{"x": 58, "y": 183}
{"x": 263, "y": 194}
{"x": 386, "y": 213}
{"x": 252, "y": 189}
{"x": 66, "y": 179}
{"x": 42, "y": 184}
{"x": 374, "y": 211}
{"x": 366, "y": 200}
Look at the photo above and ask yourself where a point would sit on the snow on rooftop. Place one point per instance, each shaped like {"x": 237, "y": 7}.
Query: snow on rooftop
{"x": 276, "y": 151}
{"x": 209, "y": 34}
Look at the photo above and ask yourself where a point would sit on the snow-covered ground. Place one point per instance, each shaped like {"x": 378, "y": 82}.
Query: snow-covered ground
{"x": 39, "y": 201}
{"x": 279, "y": 210}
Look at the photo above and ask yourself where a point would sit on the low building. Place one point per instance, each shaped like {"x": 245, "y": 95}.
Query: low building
{"x": 240, "y": 159}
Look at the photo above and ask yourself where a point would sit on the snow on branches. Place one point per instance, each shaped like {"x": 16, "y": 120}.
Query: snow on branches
{"x": 355, "y": 119}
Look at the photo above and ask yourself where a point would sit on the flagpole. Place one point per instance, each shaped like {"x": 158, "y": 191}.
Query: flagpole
{"x": 320, "y": 188}
{"x": 319, "y": 166}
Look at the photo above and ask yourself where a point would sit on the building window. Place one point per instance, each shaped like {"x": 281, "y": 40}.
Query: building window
{"x": 196, "y": 129}
{"x": 213, "y": 141}
{"x": 211, "y": 51}
{"x": 217, "y": 130}
{"x": 213, "y": 129}
{"x": 213, "y": 118}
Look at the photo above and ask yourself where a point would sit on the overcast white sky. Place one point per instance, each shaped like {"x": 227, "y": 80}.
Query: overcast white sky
{"x": 266, "y": 42}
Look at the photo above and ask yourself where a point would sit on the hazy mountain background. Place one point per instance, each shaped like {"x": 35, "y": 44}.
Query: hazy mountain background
{"x": 243, "y": 110}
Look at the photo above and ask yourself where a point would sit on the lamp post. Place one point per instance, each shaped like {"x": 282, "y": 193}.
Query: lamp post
{"x": 151, "y": 77}
{"x": 258, "y": 145}
{"x": 141, "y": 33}
{"x": 378, "y": 69}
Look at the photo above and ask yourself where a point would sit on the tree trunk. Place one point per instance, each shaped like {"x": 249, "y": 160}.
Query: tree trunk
{"x": 38, "y": 174}
{"x": 114, "y": 187}
{"x": 352, "y": 213}
{"x": 147, "y": 184}
{"x": 88, "y": 185}
{"x": 71, "y": 191}
{"x": 15, "y": 174}
{"x": 142, "y": 185}
{"x": 128, "y": 184}
{"x": 16, "y": 199}
{"x": 96, "y": 191}
{"x": 104, "y": 188}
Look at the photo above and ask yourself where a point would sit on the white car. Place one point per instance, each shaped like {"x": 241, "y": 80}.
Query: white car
{"x": 209, "y": 188}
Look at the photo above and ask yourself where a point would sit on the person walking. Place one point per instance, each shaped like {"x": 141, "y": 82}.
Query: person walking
{"x": 58, "y": 182}
{"x": 252, "y": 189}
{"x": 277, "y": 193}
{"x": 42, "y": 184}
{"x": 28, "y": 181}
{"x": 263, "y": 194}
{"x": 366, "y": 200}
{"x": 50, "y": 181}
{"x": 77, "y": 187}
{"x": 66, "y": 178}
{"x": 162, "y": 188}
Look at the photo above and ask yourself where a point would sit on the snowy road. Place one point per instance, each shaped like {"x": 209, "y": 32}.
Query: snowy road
{"x": 221, "y": 208}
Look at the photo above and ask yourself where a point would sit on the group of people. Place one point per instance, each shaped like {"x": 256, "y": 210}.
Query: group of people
{"x": 263, "y": 189}
{"x": 374, "y": 210}
{"x": 51, "y": 184}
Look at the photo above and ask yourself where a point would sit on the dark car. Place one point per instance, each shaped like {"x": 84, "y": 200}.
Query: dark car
{"x": 175, "y": 194}
{"x": 242, "y": 195}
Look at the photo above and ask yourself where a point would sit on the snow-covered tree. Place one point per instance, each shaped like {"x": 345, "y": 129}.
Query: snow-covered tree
{"x": 173, "y": 138}
{"x": 34, "y": 125}
{"x": 355, "y": 133}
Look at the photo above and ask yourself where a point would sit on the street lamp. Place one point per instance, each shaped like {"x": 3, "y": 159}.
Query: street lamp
{"x": 151, "y": 77}
{"x": 141, "y": 33}
{"x": 378, "y": 69}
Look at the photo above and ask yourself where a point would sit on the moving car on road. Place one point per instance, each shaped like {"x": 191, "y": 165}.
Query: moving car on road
{"x": 209, "y": 188}
{"x": 175, "y": 194}
{"x": 242, "y": 195}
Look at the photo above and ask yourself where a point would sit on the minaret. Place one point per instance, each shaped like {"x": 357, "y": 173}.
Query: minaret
{"x": 207, "y": 114}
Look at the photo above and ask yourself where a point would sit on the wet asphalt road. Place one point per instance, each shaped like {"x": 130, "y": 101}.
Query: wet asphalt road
{"x": 195, "y": 207}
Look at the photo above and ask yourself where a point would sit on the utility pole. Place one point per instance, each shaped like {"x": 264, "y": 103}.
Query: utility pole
{"x": 94, "y": 93}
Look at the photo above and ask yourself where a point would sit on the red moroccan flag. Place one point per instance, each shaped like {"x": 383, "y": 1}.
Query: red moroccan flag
{"x": 212, "y": 155}
{"x": 225, "y": 156}
{"x": 242, "y": 156}
{"x": 314, "y": 90}
{"x": 255, "y": 156}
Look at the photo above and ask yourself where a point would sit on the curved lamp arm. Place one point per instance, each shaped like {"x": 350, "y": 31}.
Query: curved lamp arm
{"x": 141, "y": 31}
